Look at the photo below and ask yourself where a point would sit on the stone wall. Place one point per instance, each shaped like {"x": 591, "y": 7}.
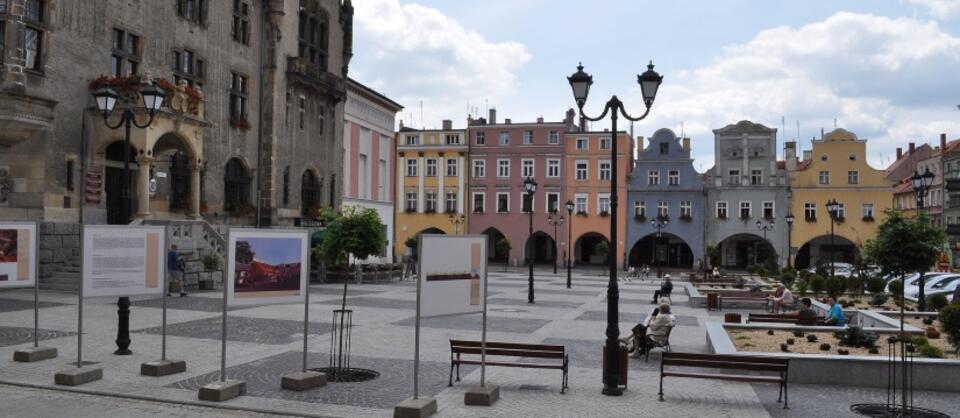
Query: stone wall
{"x": 59, "y": 247}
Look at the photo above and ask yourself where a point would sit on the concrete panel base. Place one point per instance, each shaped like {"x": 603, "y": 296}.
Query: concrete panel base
{"x": 222, "y": 391}
{"x": 75, "y": 376}
{"x": 415, "y": 408}
{"x": 301, "y": 381}
{"x": 32, "y": 354}
{"x": 163, "y": 367}
{"x": 482, "y": 395}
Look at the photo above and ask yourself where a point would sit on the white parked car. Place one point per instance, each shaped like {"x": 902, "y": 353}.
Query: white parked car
{"x": 913, "y": 286}
{"x": 839, "y": 269}
{"x": 943, "y": 284}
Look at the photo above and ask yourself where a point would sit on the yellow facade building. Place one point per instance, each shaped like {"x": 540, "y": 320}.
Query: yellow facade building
{"x": 835, "y": 168}
{"x": 432, "y": 180}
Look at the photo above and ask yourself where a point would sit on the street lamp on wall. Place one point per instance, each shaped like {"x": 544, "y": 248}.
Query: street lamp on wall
{"x": 580, "y": 83}
{"x": 833, "y": 209}
{"x": 568, "y": 250}
{"x": 456, "y": 221}
{"x": 530, "y": 187}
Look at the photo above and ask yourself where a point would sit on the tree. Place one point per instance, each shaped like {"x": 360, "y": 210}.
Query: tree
{"x": 904, "y": 245}
{"x": 834, "y": 287}
{"x": 355, "y": 231}
{"x": 950, "y": 323}
{"x": 503, "y": 247}
{"x": 817, "y": 284}
{"x": 713, "y": 255}
{"x": 411, "y": 243}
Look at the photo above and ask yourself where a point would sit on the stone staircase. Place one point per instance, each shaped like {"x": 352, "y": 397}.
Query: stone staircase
{"x": 64, "y": 278}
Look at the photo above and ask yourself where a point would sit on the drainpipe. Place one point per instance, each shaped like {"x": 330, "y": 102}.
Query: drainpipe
{"x": 263, "y": 39}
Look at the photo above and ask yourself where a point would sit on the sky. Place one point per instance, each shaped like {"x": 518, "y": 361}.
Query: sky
{"x": 886, "y": 70}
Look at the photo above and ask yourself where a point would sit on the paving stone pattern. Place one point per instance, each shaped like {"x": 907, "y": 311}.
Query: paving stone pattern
{"x": 243, "y": 329}
{"x": 11, "y": 305}
{"x": 187, "y": 303}
{"x": 475, "y": 322}
{"x": 18, "y": 335}
{"x": 539, "y": 302}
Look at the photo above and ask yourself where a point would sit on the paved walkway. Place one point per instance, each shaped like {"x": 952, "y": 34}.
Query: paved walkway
{"x": 265, "y": 342}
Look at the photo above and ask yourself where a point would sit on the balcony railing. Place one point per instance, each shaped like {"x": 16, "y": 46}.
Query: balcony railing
{"x": 313, "y": 75}
{"x": 953, "y": 185}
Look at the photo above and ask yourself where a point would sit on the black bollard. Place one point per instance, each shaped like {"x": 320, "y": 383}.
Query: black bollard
{"x": 123, "y": 327}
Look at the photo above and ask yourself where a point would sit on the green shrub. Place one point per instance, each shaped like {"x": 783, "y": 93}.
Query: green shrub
{"x": 896, "y": 287}
{"x": 929, "y": 351}
{"x": 817, "y": 284}
{"x": 876, "y": 285}
{"x": 834, "y": 286}
{"x": 937, "y": 302}
{"x": 804, "y": 275}
{"x": 762, "y": 271}
{"x": 950, "y": 324}
{"x": 855, "y": 336}
{"x": 802, "y": 287}
{"x": 878, "y": 299}
{"x": 210, "y": 261}
{"x": 788, "y": 277}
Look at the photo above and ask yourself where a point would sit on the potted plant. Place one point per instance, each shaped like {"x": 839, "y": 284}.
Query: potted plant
{"x": 503, "y": 247}
{"x": 211, "y": 263}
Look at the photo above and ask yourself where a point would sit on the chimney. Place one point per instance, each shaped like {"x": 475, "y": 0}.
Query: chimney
{"x": 640, "y": 143}
{"x": 686, "y": 144}
{"x": 913, "y": 147}
{"x": 507, "y": 121}
{"x": 899, "y": 153}
{"x": 790, "y": 155}
{"x": 493, "y": 116}
{"x": 447, "y": 124}
{"x": 807, "y": 155}
{"x": 401, "y": 124}
{"x": 568, "y": 119}
{"x": 943, "y": 142}
{"x": 540, "y": 119}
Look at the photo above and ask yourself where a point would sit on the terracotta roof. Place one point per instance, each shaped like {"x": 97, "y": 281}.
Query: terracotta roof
{"x": 903, "y": 187}
{"x": 803, "y": 165}
{"x": 781, "y": 165}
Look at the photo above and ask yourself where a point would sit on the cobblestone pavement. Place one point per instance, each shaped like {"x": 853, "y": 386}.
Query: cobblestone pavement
{"x": 265, "y": 342}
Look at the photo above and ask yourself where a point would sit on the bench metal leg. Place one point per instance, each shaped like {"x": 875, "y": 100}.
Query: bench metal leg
{"x": 458, "y": 367}
{"x": 780, "y": 396}
{"x": 786, "y": 396}
{"x": 661, "y": 381}
{"x": 450, "y": 379}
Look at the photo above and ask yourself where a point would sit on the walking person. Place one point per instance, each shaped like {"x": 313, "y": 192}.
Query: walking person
{"x": 665, "y": 289}
{"x": 175, "y": 271}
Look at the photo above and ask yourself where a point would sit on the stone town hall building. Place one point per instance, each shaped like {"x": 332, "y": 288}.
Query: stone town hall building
{"x": 250, "y": 133}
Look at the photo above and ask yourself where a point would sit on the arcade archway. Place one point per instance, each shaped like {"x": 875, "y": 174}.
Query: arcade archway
{"x": 493, "y": 236}
{"x": 667, "y": 251}
{"x": 543, "y": 248}
{"x": 586, "y": 250}
{"x": 744, "y": 250}
{"x": 820, "y": 249}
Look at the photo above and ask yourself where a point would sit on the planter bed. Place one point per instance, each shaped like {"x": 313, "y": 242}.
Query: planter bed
{"x": 758, "y": 341}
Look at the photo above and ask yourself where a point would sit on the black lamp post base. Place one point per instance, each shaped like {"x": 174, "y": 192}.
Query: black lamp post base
{"x": 612, "y": 391}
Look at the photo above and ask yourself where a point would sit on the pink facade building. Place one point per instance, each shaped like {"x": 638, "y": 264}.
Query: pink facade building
{"x": 502, "y": 155}
{"x": 369, "y": 151}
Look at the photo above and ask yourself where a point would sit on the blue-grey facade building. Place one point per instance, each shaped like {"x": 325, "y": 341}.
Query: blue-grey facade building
{"x": 664, "y": 186}
{"x": 746, "y": 185}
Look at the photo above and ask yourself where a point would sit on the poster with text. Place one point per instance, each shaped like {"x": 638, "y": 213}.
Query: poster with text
{"x": 266, "y": 266}
{"x": 453, "y": 274}
{"x": 18, "y": 266}
{"x": 123, "y": 260}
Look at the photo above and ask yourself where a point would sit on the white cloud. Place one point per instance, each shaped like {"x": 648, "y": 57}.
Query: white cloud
{"x": 941, "y": 9}
{"x": 888, "y": 80}
{"x": 413, "y": 53}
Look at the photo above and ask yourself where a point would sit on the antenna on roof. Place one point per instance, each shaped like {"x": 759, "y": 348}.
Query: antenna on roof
{"x": 422, "y": 126}
{"x": 681, "y": 129}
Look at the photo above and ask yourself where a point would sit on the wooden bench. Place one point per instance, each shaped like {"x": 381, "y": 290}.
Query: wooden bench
{"x": 782, "y": 319}
{"x": 740, "y": 300}
{"x": 518, "y": 350}
{"x": 779, "y": 366}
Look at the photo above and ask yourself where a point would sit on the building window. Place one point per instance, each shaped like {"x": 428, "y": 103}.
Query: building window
{"x": 240, "y": 30}
{"x": 188, "y": 67}
{"x": 603, "y": 204}
{"x": 193, "y": 10}
{"x": 478, "y": 202}
{"x": 411, "y": 139}
{"x": 411, "y": 168}
{"x": 3, "y": 28}
{"x": 841, "y": 212}
{"x": 411, "y": 201}
{"x": 453, "y": 139}
{"x": 653, "y": 178}
{"x": 321, "y": 112}
{"x": 553, "y": 202}
{"x": 745, "y": 210}
{"x": 553, "y": 138}
{"x": 527, "y": 137}
{"x": 581, "y": 169}
{"x": 686, "y": 210}
{"x": 553, "y": 168}
{"x": 431, "y": 167}
{"x": 853, "y": 177}
{"x": 756, "y": 177}
{"x": 581, "y": 204}
{"x": 479, "y": 168}
{"x": 125, "y": 54}
{"x": 810, "y": 211}
{"x": 768, "y": 212}
{"x": 33, "y": 34}
{"x": 303, "y": 112}
{"x": 673, "y": 177}
{"x": 663, "y": 209}
{"x": 309, "y": 193}
{"x": 286, "y": 185}
{"x": 639, "y": 209}
{"x": 722, "y": 210}
{"x": 503, "y": 202}
{"x": 824, "y": 177}
{"x": 867, "y": 211}
{"x": 312, "y": 37}
{"x": 286, "y": 111}
{"x": 604, "y": 143}
{"x": 236, "y": 186}
{"x": 527, "y": 202}
{"x": 733, "y": 177}
{"x": 238, "y": 97}
{"x": 582, "y": 143}
{"x": 451, "y": 202}
{"x": 481, "y": 138}
{"x": 3, "y": 6}
{"x": 604, "y": 170}
{"x": 664, "y": 148}
{"x": 504, "y": 138}
{"x": 452, "y": 167}
{"x": 503, "y": 168}
{"x": 70, "y": 167}
{"x": 526, "y": 168}
{"x": 431, "y": 201}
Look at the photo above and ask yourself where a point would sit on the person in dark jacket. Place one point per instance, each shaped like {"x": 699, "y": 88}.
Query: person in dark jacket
{"x": 665, "y": 289}
{"x": 175, "y": 270}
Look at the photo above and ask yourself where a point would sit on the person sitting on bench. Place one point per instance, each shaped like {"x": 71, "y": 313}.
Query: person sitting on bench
{"x": 835, "y": 315}
{"x": 805, "y": 313}
{"x": 665, "y": 289}
{"x": 781, "y": 299}
{"x": 639, "y": 332}
{"x": 657, "y": 331}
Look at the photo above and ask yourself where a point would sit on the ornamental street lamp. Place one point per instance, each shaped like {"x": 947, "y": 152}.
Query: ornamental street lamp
{"x": 789, "y": 239}
{"x": 530, "y": 187}
{"x": 765, "y": 227}
{"x": 659, "y": 223}
{"x": 921, "y": 186}
{"x": 106, "y": 100}
{"x": 457, "y": 221}
{"x": 569, "y": 237}
{"x": 555, "y": 223}
{"x": 580, "y": 84}
{"x": 833, "y": 209}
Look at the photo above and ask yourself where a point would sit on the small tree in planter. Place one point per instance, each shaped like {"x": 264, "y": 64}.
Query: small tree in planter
{"x": 834, "y": 287}
{"x": 503, "y": 247}
{"x": 937, "y": 302}
{"x": 950, "y": 324}
{"x": 788, "y": 278}
{"x": 603, "y": 249}
{"x": 817, "y": 284}
{"x": 211, "y": 263}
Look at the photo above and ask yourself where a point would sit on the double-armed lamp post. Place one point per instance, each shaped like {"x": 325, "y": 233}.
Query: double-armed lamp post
{"x": 569, "y": 249}
{"x": 555, "y": 222}
{"x": 580, "y": 82}
{"x": 529, "y": 187}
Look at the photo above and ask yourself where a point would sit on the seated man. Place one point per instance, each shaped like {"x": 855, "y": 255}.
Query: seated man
{"x": 665, "y": 289}
{"x": 835, "y": 315}
{"x": 806, "y": 314}
{"x": 639, "y": 333}
{"x": 782, "y": 299}
{"x": 658, "y": 330}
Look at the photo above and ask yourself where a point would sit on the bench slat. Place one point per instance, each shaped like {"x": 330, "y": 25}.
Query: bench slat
{"x": 494, "y": 344}
{"x": 736, "y": 358}
{"x": 735, "y": 377}
{"x": 504, "y": 352}
{"x": 722, "y": 364}
{"x": 512, "y": 364}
